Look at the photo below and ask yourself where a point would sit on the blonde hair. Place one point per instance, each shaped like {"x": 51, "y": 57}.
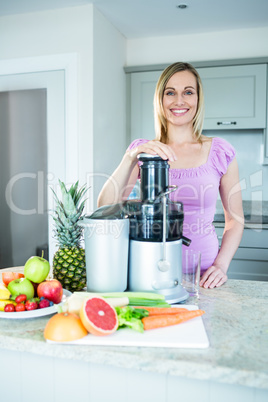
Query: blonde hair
{"x": 160, "y": 120}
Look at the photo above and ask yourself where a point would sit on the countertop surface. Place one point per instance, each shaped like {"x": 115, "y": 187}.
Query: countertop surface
{"x": 236, "y": 322}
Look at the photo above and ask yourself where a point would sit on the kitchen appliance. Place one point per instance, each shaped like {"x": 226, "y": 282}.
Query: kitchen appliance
{"x": 106, "y": 249}
{"x": 155, "y": 235}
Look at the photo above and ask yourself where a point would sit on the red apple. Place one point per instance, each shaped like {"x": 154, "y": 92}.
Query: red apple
{"x": 51, "y": 290}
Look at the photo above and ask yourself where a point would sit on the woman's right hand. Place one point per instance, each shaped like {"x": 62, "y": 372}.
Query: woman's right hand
{"x": 153, "y": 148}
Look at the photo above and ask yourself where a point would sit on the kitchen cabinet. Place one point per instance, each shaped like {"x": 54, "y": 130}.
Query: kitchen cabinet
{"x": 142, "y": 87}
{"x": 251, "y": 259}
{"x": 235, "y": 98}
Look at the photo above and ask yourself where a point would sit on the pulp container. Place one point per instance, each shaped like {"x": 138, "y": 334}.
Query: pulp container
{"x": 106, "y": 252}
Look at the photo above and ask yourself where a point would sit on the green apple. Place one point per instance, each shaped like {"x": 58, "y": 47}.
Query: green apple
{"x": 36, "y": 269}
{"x": 21, "y": 286}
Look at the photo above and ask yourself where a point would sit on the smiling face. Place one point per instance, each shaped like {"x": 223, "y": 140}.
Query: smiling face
{"x": 180, "y": 99}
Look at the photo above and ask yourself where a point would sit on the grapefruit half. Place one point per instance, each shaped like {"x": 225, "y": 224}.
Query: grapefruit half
{"x": 98, "y": 316}
{"x": 64, "y": 327}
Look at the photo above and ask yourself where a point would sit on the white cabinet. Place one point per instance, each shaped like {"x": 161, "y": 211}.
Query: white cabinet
{"x": 251, "y": 259}
{"x": 235, "y": 97}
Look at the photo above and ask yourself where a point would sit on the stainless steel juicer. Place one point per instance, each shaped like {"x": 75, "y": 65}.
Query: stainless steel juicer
{"x": 155, "y": 238}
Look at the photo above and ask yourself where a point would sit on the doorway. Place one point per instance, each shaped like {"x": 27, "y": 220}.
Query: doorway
{"x": 23, "y": 167}
{"x": 55, "y": 77}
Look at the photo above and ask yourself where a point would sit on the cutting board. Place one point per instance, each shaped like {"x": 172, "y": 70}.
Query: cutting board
{"x": 190, "y": 334}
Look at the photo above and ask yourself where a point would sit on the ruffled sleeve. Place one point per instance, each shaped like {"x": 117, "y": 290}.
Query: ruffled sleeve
{"x": 222, "y": 154}
{"x": 137, "y": 142}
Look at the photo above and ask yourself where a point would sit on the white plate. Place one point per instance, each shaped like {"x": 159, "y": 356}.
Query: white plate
{"x": 41, "y": 312}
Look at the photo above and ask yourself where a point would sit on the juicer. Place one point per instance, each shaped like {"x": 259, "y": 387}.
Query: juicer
{"x": 156, "y": 238}
{"x": 154, "y": 245}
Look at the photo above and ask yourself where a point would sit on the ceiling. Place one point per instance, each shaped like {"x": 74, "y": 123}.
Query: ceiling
{"x": 151, "y": 18}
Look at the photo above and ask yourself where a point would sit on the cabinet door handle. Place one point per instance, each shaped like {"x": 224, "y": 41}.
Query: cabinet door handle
{"x": 226, "y": 123}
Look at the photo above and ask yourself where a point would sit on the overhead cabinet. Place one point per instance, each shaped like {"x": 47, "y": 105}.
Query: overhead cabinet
{"x": 235, "y": 97}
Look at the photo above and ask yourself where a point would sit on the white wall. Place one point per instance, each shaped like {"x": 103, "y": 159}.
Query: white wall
{"x": 233, "y": 44}
{"x": 101, "y": 80}
{"x": 68, "y": 30}
{"x": 109, "y": 105}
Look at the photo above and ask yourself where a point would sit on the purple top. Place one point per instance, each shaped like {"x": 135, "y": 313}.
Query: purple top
{"x": 198, "y": 190}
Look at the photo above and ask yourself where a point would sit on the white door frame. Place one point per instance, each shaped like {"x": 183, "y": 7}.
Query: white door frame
{"x": 50, "y": 63}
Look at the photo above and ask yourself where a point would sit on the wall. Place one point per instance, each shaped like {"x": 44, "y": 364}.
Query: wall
{"x": 84, "y": 31}
{"x": 233, "y": 44}
{"x": 58, "y": 32}
{"x": 109, "y": 106}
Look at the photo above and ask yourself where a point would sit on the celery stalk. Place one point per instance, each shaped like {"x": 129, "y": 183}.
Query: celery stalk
{"x": 135, "y": 298}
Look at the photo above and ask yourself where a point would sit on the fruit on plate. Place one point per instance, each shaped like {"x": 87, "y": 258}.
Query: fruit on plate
{"x": 3, "y": 304}
{"x": 4, "y": 292}
{"x": 98, "y": 316}
{"x": 10, "y": 276}
{"x": 69, "y": 265}
{"x": 21, "y": 286}
{"x": 9, "y": 308}
{"x": 44, "y": 303}
{"x": 31, "y": 304}
{"x": 51, "y": 290}
{"x": 21, "y": 298}
{"x": 64, "y": 327}
{"x": 36, "y": 269}
{"x": 20, "y": 307}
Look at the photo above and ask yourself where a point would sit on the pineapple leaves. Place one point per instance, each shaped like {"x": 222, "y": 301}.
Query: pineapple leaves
{"x": 68, "y": 212}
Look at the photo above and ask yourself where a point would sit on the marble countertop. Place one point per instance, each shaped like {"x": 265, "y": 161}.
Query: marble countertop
{"x": 236, "y": 322}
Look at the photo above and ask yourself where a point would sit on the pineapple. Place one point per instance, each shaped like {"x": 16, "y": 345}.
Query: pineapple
{"x": 69, "y": 261}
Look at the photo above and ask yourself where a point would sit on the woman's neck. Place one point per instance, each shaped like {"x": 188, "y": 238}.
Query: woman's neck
{"x": 180, "y": 135}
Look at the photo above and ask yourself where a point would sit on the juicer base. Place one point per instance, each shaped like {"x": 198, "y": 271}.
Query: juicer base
{"x": 179, "y": 297}
{"x": 144, "y": 274}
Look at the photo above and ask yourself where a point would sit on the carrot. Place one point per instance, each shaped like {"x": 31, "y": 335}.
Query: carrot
{"x": 158, "y": 321}
{"x": 162, "y": 310}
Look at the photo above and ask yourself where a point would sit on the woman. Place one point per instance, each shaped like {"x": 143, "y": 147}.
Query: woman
{"x": 200, "y": 166}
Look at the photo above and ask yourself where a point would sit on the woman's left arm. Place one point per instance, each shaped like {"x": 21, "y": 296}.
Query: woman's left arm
{"x": 230, "y": 192}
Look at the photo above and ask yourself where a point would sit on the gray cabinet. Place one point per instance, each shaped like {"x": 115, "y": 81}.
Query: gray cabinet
{"x": 235, "y": 97}
{"x": 142, "y": 87}
{"x": 251, "y": 259}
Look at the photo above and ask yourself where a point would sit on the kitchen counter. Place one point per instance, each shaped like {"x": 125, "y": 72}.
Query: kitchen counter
{"x": 236, "y": 322}
{"x": 255, "y": 214}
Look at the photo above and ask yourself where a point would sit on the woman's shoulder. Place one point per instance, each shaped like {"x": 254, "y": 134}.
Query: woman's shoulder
{"x": 137, "y": 142}
{"x": 222, "y": 153}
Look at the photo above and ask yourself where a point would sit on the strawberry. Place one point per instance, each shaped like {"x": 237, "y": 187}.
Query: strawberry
{"x": 20, "y": 307}
{"x": 31, "y": 304}
{"x": 9, "y": 308}
{"x": 21, "y": 298}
